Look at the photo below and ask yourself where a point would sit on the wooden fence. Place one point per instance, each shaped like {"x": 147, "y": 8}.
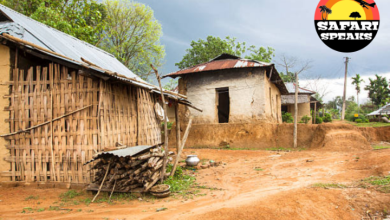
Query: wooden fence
{"x": 100, "y": 114}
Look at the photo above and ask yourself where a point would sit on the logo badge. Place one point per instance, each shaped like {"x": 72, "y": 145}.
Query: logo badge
{"x": 347, "y": 25}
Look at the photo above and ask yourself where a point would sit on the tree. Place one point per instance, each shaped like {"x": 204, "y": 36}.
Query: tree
{"x": 132, "y": 34}
{"x": 355, "y": 15}
{"x": 170, "y": 85}
{"x": 378, "y": 90}
{"x": 325, "y": 10}
{"x": 202, "y": 51}
{"x": 261, "y": 54}
{"x": 289, "y": 77}
{"x": 356, "y": 81}
{"x": 299, "y": 67}
{"x": 83, "y": 19}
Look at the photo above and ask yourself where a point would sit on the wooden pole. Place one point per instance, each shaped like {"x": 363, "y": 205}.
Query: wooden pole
{"x": 181, "y": 147}
{"x": 296, "y": 112}
{"x": 345, "y": 88}
{"x": 51, "y": 75}
{"x": 315, "y": 113}
{"x": 162, "y": 175}
{"x": 47, "y": 122}
{"x": 178, "y": 135}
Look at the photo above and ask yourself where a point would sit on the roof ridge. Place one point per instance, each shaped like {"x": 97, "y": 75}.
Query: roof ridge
{"x": 68, "y": 35}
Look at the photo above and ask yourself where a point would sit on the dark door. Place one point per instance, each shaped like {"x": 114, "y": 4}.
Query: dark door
{"x": 223, "y": 105}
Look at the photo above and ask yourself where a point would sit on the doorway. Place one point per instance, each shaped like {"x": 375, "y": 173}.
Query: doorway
{"x": 223, "y": 105}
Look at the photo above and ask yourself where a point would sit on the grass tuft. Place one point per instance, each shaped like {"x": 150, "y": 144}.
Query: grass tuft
{"x": 379, "y": 147}
{"x": 328, "y": 185}
{"x": 31, "y": 198}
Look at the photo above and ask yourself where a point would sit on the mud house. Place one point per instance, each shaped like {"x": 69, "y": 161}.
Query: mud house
{"x": 236, "y": 95}
{"x": 65, "y": 100}
{"x": 230, "y": 89}
{"x": 306, "y": 102}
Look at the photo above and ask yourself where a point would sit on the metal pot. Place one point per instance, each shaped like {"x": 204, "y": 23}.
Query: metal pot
{"x": 192, "y": 160}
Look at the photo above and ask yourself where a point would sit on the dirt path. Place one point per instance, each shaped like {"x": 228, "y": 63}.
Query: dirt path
{"x": 280, "y": 191}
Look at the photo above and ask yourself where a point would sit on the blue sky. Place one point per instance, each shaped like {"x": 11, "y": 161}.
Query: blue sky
{"x": 287, "y": 26}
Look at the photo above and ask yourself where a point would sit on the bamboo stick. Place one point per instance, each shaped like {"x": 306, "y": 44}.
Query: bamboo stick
{"x": 101, "y": 185}
{"x": 181, "y": 147}
{"x": 165, "y": 126}
{"x": 178, "y": 136}
{"x": 44, "y": 123}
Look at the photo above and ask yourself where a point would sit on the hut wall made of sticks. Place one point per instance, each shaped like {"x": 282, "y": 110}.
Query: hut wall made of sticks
{"x": 85, "y": 115}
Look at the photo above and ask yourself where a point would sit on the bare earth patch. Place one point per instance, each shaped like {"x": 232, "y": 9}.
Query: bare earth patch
{"x": 248, "y": 185}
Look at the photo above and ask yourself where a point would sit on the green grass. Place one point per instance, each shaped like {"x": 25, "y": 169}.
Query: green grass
{"x": 382, "y": 184}
{"x": 285, "y": 149}
{"x": 378, "y": 147}
{"x": 181, "y": 182}
{"x": 258, "y": 169}
{"x": 370, "y": 124}
{"x": 31, "y": 198}
{"x": 328, "y": 185}
{"x": 69, "y": 195}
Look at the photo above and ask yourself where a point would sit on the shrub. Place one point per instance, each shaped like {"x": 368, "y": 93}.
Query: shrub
{"x": 367, "y": 121}
{"x": 327, "y": 118}
{"x": 305, "y": 119}
{"x": 358, "y": 120}
{"x": 318, "y": 120}
{"x": 287, "y": 117}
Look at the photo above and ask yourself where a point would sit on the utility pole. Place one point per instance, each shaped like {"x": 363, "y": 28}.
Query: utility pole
{"x": 345, "y": 88}
{"x": 296, "y": 111}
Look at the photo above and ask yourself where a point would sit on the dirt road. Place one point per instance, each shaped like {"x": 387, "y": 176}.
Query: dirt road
{"x": 252, "y": 185}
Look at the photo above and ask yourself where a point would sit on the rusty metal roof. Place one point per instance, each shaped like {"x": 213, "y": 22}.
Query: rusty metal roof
{"x": 227, "y": 61}
{"x": 224, "y": 61}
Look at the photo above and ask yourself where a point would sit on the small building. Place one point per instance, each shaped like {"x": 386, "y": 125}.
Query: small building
{"x": 231, "y": 90}
{"x": 64, "y": 101}
{"x": 378, "y": 114}
{"x": 306, "y": 102}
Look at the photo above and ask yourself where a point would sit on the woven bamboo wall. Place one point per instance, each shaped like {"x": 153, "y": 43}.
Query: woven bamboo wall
{"x": 57, "y": 151}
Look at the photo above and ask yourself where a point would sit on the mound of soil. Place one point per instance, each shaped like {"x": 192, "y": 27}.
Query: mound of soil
{"x": 339, "y": 137}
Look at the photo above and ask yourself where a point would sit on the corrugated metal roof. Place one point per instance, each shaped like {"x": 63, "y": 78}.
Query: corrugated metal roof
{"x": 130, "y": 151}
{"x": 227, "y": 61}
{"x": 291, "y": 89}
{"x": 385, "y": 110}
{"x": 220, "y": 64}
{"x": 47, "y": 37}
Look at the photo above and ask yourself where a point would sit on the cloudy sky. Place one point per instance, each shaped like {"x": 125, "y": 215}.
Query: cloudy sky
{"x": 287, "y": 26}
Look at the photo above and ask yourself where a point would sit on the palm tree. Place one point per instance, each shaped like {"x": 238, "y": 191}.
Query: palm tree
{"x": 325, "y": 10}
{"x": 356, "y": 81}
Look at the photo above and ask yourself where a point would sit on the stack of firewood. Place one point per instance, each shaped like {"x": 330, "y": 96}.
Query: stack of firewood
{"x": 127, "y": 173}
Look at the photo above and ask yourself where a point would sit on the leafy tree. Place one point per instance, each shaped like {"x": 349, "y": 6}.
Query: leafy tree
{"x": 378, "y": 90}
{"x": 83, "y": 19}
{"x": 289, "y": 77}
{"x": 356, "y": 81}
{"x": 171, "y": 85}
{"x": 202, "y": 51}
{"x": 132, "y": 34}
{"x": 261, "y": 54}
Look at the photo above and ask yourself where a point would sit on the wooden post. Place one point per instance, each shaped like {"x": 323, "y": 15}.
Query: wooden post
{"x": 181, "y": 147}
{"x": 315, "y": 113}
{"x": 178, "y": 136}
{"x": 162, "y": 175}
{"x": 296, "y": 112}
